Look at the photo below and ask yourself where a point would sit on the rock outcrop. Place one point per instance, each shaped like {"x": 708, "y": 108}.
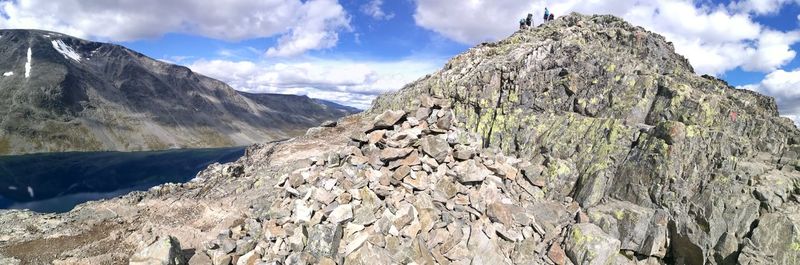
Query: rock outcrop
{"x": 633, "y": 132}
{"x": 583, "y": 141}
{"x": 68, "y": 94}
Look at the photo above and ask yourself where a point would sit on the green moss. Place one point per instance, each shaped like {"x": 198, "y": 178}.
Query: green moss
{"x": 611, "y": 68}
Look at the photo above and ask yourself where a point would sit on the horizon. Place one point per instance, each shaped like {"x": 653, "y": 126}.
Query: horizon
{"x": 350, "y": 51}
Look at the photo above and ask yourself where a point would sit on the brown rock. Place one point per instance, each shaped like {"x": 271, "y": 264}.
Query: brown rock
{"x": 445, "y": 122}
{"x": 421, "y": 182}
{"x": 344, "y": 198}
{"x": 388, "y": 119}
{"x": 375, "y": 136}
{"x": 422, "y": 114}
{"x": 411, "y": 160}
{"x": 390, "y": 154}
{"x": 501, "y": 213}
{"x": 581, "y": 217}
{"x": 557, "y": 255}
{"x": 359, "y": 137}
{"x": 401, "y": 172}
{"x": 358, "y": 160}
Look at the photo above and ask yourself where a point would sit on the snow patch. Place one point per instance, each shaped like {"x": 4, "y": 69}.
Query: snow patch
{"x": 30, "y": 191}
{"x": 28, "y": 64}
{"x": 65, "y": 50}
{"x": 8, "y": 73}
{"x": 12, "y": 187}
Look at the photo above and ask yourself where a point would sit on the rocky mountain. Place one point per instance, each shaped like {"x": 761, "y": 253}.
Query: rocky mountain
{"x": 60, "y": 93}
{"x": 586, "y": 140}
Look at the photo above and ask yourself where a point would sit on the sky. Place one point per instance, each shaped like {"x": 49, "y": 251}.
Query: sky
{"x": 350, "y": 51}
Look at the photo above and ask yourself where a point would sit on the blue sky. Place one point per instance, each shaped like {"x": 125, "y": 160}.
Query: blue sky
{"x": 349, "y": 51}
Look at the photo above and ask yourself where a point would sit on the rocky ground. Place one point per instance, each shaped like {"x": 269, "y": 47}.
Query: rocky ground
{"x": 583, "y": 141}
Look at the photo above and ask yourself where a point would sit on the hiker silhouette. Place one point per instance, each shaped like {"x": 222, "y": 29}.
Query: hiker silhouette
{"x": 546, "y": 14}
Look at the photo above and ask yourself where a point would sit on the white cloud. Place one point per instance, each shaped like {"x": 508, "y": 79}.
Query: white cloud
{"x": 374, "y": 10}
{"x": 785, "y": 88}
{"x": 715, "y": 39}
{"x": 773, "y": 50}
{"x": 354, "y": 83}
{"x": 302, "y": 25}
{"x": 760, "y": 7}
{"x": 319, "y": 31}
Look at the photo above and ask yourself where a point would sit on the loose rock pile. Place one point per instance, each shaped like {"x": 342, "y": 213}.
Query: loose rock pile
{"x": 413, "y": 188}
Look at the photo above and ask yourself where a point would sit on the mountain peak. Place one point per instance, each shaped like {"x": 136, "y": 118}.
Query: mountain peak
{"x": 617, "y": 106}
{"x": 62, "y": 93}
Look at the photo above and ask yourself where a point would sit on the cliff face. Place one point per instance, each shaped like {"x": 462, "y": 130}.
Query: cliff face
{"x": 60, "y": 93}
{"x": 622, "y": 118}
{"x": 582, "y": 141}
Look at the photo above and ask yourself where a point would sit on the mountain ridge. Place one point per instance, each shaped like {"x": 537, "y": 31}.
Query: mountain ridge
{"x": 78, "y": 95}
{"x": 586, "y": 140}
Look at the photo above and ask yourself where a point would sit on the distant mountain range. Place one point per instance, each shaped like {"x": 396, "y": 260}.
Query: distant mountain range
{"x": 60, "y": 93}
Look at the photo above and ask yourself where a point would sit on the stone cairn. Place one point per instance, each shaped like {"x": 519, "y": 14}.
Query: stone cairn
{"x": 413, "y": 188}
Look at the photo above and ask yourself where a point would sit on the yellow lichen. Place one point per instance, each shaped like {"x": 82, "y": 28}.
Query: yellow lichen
{"x": 619, "y": 214}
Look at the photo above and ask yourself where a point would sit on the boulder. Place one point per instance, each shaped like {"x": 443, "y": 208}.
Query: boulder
{"x": 323, "y": 240}
{"x": 328, "y": 124}
{"x": 166, "y": 250}
{"x": 341, "y": 213}
{"x": 435, "y": 147}
{"x": 390, "y": 154}
{"x": 642, "y": 230}
{"x": 388, "y": 119}
{"x": 588, "y": 244}
{"x": 501, "y": 213}
{"x": 776, "y": 239}
{"x": 471, "y": 172}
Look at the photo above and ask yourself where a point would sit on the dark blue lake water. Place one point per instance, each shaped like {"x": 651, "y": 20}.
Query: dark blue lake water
{"x": 56, "y": 182}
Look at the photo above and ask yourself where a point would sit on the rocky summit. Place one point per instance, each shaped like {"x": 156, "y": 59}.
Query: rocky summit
{"x": 582, "y": 141}
{"x": 59, "y": 93}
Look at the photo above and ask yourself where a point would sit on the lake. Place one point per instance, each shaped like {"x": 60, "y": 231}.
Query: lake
{"x": 56, "y": 182}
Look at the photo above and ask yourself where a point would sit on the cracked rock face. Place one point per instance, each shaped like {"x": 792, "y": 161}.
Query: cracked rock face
{"x": 628, "y": 126}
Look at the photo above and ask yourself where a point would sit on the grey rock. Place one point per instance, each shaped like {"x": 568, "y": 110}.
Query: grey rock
{"x": 435, "y": 147}
{"x": 640, "y": 229}
{"x": 323, "y": 240}
{"x": 471, "y": 171}
{"x": 775, "y": 240}
{"x": 164, "y": 251}
{"x": 341, "y": 213}
{"x": 369, "y": 255}
{"x": 588, "y": 244}
{"x": 328, "y": 124}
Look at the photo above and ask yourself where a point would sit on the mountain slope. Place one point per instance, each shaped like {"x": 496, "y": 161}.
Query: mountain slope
{"x": 583, "y": 141}
{"x": 60, "y": 93}
{"x": 618, "y": 116}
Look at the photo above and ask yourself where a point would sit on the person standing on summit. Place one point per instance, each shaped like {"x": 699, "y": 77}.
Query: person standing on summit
{"x": 546, "y": 14}
{"x": 529, "y": 20}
